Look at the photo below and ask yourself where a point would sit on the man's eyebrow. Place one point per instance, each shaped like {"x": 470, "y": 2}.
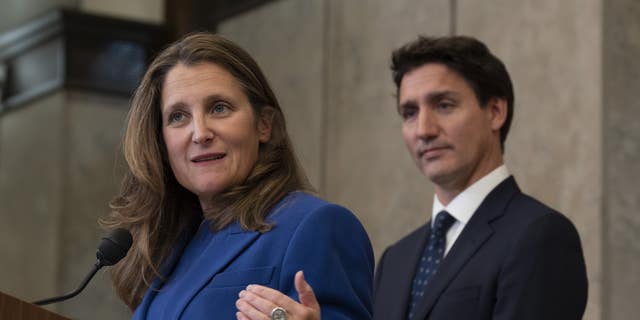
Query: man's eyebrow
{"x": 439, "y": 95}
{"x": 431, "y": 98}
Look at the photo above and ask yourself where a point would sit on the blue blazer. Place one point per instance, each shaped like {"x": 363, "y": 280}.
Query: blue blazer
{"x": 323, "y": 239}
{"x": 515, "y": 259}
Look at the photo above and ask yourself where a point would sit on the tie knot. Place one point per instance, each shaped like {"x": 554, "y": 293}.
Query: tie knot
{"x": 443, "y": 222}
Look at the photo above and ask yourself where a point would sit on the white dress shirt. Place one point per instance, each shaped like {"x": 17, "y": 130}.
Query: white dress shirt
{"x": 467, "y": 202}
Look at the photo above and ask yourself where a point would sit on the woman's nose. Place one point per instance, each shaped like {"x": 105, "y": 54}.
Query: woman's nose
{"x": 202, "y": 132}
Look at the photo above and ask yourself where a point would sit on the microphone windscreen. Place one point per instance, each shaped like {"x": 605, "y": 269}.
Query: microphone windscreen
{"x": 114, "y": 246}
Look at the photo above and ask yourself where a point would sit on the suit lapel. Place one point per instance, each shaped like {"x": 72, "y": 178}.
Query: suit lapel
{"x": 474, "y": 235}
{"x": 225, "y": 246}
{"x": 402, "y": 266}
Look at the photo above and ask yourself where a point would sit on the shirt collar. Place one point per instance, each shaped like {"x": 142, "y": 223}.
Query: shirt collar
{"x": 467, "y": 202}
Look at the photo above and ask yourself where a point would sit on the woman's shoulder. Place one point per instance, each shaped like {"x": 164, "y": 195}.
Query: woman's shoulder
{"x": 303, "y": 199}
{"x": 300, "y": 205}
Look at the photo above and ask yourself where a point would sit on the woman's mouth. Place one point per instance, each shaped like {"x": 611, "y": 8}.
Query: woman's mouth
{"x": 208, "y": 157}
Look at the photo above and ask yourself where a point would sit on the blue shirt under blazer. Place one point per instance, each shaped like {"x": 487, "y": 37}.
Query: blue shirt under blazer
{"x": 325, "y": 240}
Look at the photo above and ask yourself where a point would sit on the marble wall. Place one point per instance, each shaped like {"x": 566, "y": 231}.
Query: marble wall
{"x": 31, "y": 197}
{"x": 149, "y": 11}
{"x": 368, "y": 167}
{"x": 621, "y": 106}
{"x": 93, "y": 168}
{"x": 14, "y": 13}
{"x": 346, "y": 134}
{"x": 59, "y": 167}
{"x": 553, "y": 50}
{"x": 572, "y": 142}
{"x": 294, "y": 68}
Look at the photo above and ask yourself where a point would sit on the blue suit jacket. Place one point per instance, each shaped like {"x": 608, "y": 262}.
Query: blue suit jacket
{"x": 325, "y": 240}
{"x": 515, "y": 259}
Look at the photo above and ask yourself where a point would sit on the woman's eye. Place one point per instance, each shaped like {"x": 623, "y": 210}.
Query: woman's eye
{"x": 176, "y": 117}
{"x": 220, "y": 108}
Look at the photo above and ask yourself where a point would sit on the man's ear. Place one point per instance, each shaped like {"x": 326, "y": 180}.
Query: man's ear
{"x": 265, "y": 123}
{"x": 497, "y": 112}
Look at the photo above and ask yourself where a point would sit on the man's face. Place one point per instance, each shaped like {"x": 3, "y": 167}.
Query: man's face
{"x": 451, "y": 138}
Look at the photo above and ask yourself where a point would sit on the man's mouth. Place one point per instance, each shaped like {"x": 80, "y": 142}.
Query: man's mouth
{"x": 431, "y": 152}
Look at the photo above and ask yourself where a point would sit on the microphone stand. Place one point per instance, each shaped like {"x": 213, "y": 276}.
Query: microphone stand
{"x": 70, "y": 295}
{"x": 112, "y": 249}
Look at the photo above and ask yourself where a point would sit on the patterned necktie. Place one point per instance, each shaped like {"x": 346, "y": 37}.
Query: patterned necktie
{"x": 431, "y": 257}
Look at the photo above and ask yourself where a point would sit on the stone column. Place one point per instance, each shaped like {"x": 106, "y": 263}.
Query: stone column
{"x": 368, "y": 167}
{"x": 31, "y": 182}
{"x": 328, "y": 62}
{"x": 31, "y": 148}
{"x": 553, "y": 52}
{"x": 92, "y": 167}
{"x": 59, "y": 159}
{"x": 16, "y": 12}
{"x": 287, "y": 40}
{"x": 621, "y": 156}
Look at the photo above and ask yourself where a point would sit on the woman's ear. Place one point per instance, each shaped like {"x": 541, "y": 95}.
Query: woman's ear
{"x": 265, "y": 123}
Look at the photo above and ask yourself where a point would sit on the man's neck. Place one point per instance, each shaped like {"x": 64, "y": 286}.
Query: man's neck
{"x": 447, "y": 192}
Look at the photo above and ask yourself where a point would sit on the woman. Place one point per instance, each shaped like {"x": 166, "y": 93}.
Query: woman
{"x": 215, "y": 200}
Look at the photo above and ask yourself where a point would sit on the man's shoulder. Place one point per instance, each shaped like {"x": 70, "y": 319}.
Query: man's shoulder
{"x": 518, "y": 205}
{"x": 408, "y": 242}
{"x": 527, "y": 207}
{"x": 524, "y": 213}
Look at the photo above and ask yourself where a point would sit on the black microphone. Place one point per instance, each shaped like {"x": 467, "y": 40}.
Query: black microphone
{"x": 113, "y": 247}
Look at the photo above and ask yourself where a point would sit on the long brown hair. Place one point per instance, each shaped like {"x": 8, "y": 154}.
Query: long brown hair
{"x": 151, "y": 203}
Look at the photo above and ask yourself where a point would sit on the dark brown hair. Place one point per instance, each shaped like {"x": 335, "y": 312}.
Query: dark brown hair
{"x": 153, "y": 206}
{"x": 470, "y": 58}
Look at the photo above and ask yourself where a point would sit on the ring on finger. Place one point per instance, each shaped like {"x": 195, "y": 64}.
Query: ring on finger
{"x": 278, "y": 313}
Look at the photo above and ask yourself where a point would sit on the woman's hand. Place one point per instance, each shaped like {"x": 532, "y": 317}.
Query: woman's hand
{"x": 257, "y": 302}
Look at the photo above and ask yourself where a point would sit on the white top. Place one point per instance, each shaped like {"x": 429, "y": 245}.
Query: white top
{"x": 467, "y": 202}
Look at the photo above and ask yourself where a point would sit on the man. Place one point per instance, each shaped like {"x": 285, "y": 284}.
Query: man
{"x": 489, "y": 251}
{"x": 505, "y": 255}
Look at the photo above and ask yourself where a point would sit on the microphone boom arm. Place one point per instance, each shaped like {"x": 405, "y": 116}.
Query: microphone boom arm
{"x": 112, "y": 249}
{"x": 70, "y": 295}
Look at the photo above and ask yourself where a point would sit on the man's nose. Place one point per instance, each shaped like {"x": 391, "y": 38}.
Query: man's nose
{"x": 427, "y": 125}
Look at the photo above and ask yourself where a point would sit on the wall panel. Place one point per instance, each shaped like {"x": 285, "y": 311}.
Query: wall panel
{"x": 368, "y": 167}
{"x": 553, "y": 52}
{"x": 286, "y": 39}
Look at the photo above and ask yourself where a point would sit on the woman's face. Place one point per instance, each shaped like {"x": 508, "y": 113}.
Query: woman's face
{"x": 210, "y": 129}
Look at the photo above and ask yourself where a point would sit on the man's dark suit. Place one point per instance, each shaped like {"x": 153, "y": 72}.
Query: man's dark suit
{"x": 516, "y": 259}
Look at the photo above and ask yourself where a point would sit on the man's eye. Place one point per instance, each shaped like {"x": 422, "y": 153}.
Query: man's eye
{"x": 444, "y": 105}
{"x": 408, "y": 113}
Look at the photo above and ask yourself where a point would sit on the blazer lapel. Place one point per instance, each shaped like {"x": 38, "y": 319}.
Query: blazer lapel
{"x": 165, "y": 269}
{"x": 221, "y": 251}
{"x": 474, "y": 235}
